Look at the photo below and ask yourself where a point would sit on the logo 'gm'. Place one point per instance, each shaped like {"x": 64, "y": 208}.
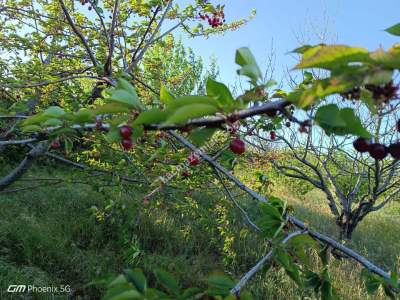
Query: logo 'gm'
{"x": 14, "y": 288}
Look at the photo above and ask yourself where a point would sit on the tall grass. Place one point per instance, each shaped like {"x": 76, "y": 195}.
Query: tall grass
{"x": 76, "y": 234}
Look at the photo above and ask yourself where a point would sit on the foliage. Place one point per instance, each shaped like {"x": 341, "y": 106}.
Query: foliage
{"x": 96, "y": 91}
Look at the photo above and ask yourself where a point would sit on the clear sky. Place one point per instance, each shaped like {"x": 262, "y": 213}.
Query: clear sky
{"x": 279, "y": 23}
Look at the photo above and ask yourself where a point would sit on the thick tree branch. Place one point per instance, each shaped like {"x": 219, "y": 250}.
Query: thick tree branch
{"x": 15, "y": 174}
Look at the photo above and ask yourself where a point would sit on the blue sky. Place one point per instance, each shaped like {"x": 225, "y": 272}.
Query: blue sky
{"x": 353, "y": 22}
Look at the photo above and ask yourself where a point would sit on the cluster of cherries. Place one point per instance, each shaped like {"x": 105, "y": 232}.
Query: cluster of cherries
{"x": 377, "y": 150}
{"x": 215, "y": 20}
{"x": 381, "y": 93}
{"x": 56, "y": 144}
{"x": 126, "y": 133}
{"x": 83, "y": 2}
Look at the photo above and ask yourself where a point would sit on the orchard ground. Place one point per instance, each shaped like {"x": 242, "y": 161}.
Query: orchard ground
{"x": 75, "y": 234}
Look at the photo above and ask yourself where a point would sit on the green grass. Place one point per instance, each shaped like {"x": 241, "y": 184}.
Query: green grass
{"x": 51, "y": 236}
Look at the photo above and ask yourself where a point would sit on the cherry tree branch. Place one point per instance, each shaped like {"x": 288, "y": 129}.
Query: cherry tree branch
{"x": 246, "y": 277}
{"x": 79, "y": 34}
{"x": 291, "y": 219}
{"x": 15, "y": 174}
{"x": 228, "y": 192}
{"x": 134, "y": 63}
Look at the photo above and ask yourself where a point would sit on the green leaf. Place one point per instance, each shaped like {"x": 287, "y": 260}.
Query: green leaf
{"x": 113, "y": 135}
{"x": 189, "y": 100}
{"x": 332, "y": 56}
{"x": 168, "y": 281}
{"x": 165, "y": 96}
{"x": 68, "y": 145}
{"x": 340, "y": 121}
{"x": 188, "y": 112}
{"x": 220, "y": 91}
{"x": 395, "y": 29}
{"x": 125, "y": 85}
{"x": 54, "y": 112}
{"x": 326, "y": 291}
{"x": 64, "y": 131}
{"x": 246, "y": 296}
{"x": 31, "y": 128}
{"x": 36, "y": 119}
{"x": 137, "y": 278}
{"x": 122, "y": 293}
{"x": 312, "y": 280}
{"x": 329, "y": 115}
{"x": 324, "y": 255}
{"x": 286, "y": 262}
{"x": 123, "y": 97}
{"x": 302, "y": 49}
{"x": 379, "y": 77}
{"x": 246, "y": 60}
{"x": 111, "y": 108}
{"x": 201, "y": 135}
{"x": 152, "y": 116}
{"x": 219, "y": 285}
{"x": 353, "y": 124}
{"x": 124, "y": 93}
{"x": 251, "y": 71}
{"x": 120, "y": 279}
{"x": 83, "y": 116}
{"x": 190, "y": 293}
{"x": 52, "y": 122}
{"x": 299, "y": 244}
{"x": 371, "y": 281}
{"x": 244, "y": 57}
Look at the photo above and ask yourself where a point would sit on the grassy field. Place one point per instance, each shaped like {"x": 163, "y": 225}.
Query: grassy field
{"x": 74, "y": 234}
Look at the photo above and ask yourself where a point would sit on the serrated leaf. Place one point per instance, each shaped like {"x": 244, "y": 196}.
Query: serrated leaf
{"x": 219, "y": 285}
{"x": 340, "y": 121}
{"x": 287, "y": 263}
{"x": 113, "y": 135}
{"x": 137, "y": 278}
{"x": 251, "y": 71}
{"x": 111, "y": 108}
{"x": 220, "y": 91}
{"x": 68, "y": 144}
{"x": 201, "y": 135}
{"x": 188, "y": 112}
{"x": 122, "y": 293}
{"x": 166, "y": 96}
{"x": 329, "y": 115}
{"x": 54, "y": 112}
{"x": 248, "y": 64}
{"x": 31, "y": 128}
{"x": 395, "y": 29}
{"x": 52, "y": 122}
{"x": 326, "y": 291}
{"x": 371, "y": 281}
{"x": 302, "y": 49}
{"x": 36, "y": 119}
{"x": 244, "y": 57}
{"x": 125, "y": 85}
{"x": 123, "y": 97}
{"x": 83, "y": 116}
{"x": 120, "y": 279}
{"x": 332, "y": 56}
{"x": 189, "y": 100}
{"x": 190, "y": 293}
{"x": 168, "y": 281}
{"x": 152, "y": 116}
{"x": 353, "y": 124}
{"x": 379, "y": 77}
